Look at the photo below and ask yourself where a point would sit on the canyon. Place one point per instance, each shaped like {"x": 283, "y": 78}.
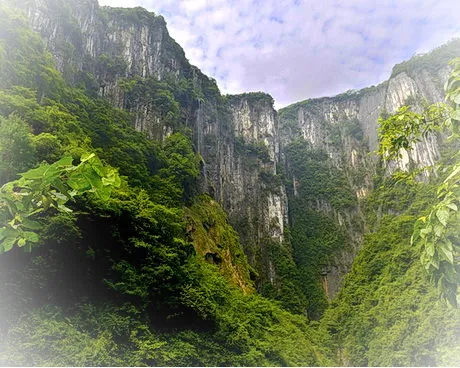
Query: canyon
{"x": 243, "y": 142}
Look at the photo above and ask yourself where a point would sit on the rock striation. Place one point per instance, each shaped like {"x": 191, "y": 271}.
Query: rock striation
{"x": 346, "y": 127}
{"x": 241, "y": 139}
{"x": 236, "y": 136}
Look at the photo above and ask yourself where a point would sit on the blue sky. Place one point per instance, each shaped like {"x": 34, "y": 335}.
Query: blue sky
{"x": 299, "y": 49}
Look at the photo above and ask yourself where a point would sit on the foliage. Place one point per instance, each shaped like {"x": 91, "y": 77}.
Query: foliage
{"x": 48, "y": 186}
{"x": 253, "y": 149}
{"x": 16, "y": 148}
{"x": 317, "y": 177}
{"x": 129, "y": 16}
{"x": 141, "y": 251}
{"x": 256, "y": 329}
{"x": 315, "y": 238}
{"x": 176, "y": 178}
{"x": 352, "y": 127}
{"x": 315, "y": 103}
{"x": 315, "y": 235}
{"x": 387, "y": 313}
{"x": 94, "y": 335}
{"x": 402, "y": 129}
{"x": 271, "y": 181}
{"x": 153, "y": 93}
{"x": 435, "y": 233}
{"x": 439, "y": 239}
{"x": 47, "y": 337}
{"x": 251, "y": 97}
{"x": 283, "y": 281}
{"x": 109, "y": 67}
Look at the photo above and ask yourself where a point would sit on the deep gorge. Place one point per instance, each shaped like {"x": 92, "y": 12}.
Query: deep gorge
{"x": 284, "y": 204}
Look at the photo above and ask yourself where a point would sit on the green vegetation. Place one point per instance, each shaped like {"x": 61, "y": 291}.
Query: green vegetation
{"x": 48, "y": 186}
{"x": 317, "y": 188}
{"x": 290, "y": 111}
{"x": 283, "y": 282}
{"x": 130, "y": 16}
{"x": 434, "y": 60}
{"x": 352, "y": 128}
{"x": 126, "y": 264}
{"x": 314, "y": 103}
{"x": 435, "y": 233}
{"x": 217, "y": 242}
{"x": 315, "y": 238}
{"x": 110, "y": 256}
{"x": 318, "y": 178}
{"x": 254, "y": 150}
{"x": 388, "y": 312}
{"x": 251, "y": 97}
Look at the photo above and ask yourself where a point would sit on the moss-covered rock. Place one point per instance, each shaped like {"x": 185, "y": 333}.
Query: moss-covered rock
{"x": 217, "y": 241}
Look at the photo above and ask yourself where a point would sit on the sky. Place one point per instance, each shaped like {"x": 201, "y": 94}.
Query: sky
{"x": 299, "y": 49}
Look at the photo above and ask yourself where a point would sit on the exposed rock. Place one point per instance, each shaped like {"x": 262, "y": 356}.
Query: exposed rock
{"x": 318, "y": 120}
{"x": 240, "y": 138}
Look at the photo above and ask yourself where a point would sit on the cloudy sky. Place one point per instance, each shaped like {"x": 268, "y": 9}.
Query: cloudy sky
{"x": 298, "y": 49}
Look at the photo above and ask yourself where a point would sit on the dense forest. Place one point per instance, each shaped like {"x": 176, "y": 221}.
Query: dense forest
{"x": 114, "y": 253}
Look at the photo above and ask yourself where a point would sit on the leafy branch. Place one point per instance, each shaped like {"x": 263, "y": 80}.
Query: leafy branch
{"x": 404, "y": 128}
{"x": 49, "y": 186}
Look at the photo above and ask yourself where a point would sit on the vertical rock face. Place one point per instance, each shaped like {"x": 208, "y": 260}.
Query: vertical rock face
{"x": 255, "y": 125}
{"x": 84, "y": 29}
{"x": 333, "y": 127}
{"x": 252, "y": 189}
{"x": 69, "y": 32}
{"x": 127, "y": 56}
{"x": 313, "y": 119}
{"x": 346, "y": 128}
{"x": 239, "y": 142}
{"x": 237, "y": 136}
{"x": 99, "y": 47}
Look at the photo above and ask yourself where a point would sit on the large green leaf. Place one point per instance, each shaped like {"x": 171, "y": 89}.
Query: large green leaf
{"x": 31, "y": 236}
{"x": 32, "y": 225}
{"x": 443, "y": 216}
{"x": 7, "y": 244}
{"x": 49, "y": 186}
{"x": 79, "y": 182}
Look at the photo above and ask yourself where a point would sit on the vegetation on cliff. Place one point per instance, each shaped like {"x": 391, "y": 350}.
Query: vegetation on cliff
{"x": 389, "y": 311}
{"x": 111, "y": 256}
{"x": 113, "y": 277}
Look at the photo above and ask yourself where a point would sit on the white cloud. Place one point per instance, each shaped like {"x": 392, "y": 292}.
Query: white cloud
{"x": 121, "y": 3}
{"x": 193, "y": 6}
{"x": 298, "y": 49}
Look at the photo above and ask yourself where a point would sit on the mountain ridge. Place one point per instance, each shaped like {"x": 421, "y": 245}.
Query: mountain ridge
{"x": 237, "y": 235}
{"x": 239, "y": 137}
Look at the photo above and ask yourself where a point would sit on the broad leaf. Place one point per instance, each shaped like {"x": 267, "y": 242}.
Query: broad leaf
{"x": 443, "y": 216}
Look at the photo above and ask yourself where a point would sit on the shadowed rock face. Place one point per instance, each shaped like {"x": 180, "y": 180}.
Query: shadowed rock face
{"x": 240, "y": 138}
{"x": 237, "y": 136}
{"x": 317, "y": 120}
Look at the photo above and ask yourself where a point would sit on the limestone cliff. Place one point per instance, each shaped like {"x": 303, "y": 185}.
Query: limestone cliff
{"x": 345, "y": 127}
{"x": 128, "y": 57}
{"x": 247, "y": 149}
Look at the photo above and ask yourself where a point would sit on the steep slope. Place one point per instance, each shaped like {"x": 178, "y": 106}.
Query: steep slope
{"x": 344, "y": 130}
{"x": 127, "y": 56}
{"x": 148, "y": 274}
{"x": 263, "y": 169}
